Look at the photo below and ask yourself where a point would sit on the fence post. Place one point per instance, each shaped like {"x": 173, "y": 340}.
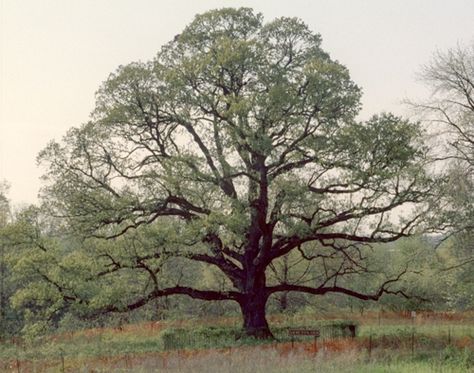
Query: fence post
{"x": 370, "y": 345}
{"x": 61, "y": 353}
{"x": 127, "y": 361}
{"x": 165, "y": 365}
{"x": 17, "y": 360}
{"x": 413, "y": 317}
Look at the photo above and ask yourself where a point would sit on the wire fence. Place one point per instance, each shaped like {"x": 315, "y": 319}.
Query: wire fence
{"x": 412, "y": 334}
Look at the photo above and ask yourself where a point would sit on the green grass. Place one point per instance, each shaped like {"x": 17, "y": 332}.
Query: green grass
{"x": 437, "y": 347}
{"x": 442, "y": 328}
{"x": 259, "y": 360}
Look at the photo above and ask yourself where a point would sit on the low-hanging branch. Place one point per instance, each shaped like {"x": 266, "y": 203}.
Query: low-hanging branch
{"x": 232, "y": 149}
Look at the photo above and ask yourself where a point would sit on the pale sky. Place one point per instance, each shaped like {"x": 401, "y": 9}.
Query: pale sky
{"x": 55, "y": 53}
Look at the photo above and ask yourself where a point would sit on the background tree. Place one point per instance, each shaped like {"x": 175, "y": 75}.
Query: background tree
{"x": 450, "y": 76}
{"x": 4, "y": 219}
{"x": 235, "y": 146}
{"x": 450, "y": 116}
{"x": 10, "y": 319}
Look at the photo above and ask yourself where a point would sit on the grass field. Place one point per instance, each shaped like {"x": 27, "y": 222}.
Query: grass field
{"x": 385, "y": 343}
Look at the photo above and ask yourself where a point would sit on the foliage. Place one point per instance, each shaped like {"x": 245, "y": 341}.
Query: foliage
{"x": 201, "y": 170}
{"x": 10, "y": 319}
{"x": 449, "y": 112}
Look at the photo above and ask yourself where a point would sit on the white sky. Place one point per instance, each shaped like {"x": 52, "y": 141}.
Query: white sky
{"x": 55, "y": 53}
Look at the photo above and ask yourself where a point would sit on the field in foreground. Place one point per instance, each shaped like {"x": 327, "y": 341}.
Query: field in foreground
{"x": 385, "y": 343}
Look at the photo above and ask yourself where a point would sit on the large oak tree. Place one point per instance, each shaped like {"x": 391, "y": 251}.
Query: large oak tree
{"x": 236, "y": 145}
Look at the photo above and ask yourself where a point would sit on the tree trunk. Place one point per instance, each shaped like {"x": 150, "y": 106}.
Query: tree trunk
{"x": 253, "y": 312}
{"x": 283, "y": 301}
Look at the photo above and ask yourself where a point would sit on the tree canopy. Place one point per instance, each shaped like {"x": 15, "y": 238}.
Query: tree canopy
{"x": 236, "y": 145}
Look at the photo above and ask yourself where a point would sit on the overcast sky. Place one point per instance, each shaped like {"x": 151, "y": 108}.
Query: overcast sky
{"x": 55, "y": 53}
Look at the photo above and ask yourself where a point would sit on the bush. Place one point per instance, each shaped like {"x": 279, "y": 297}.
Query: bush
{"x": 201, "y": 337}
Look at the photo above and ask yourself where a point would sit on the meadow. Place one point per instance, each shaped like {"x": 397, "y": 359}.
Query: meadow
{"x": 385, "y": 342}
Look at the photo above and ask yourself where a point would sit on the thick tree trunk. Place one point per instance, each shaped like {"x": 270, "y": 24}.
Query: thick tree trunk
{"x": 253, "y": 312}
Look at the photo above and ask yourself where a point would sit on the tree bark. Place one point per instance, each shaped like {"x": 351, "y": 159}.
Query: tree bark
{"x": 255, "y": 323}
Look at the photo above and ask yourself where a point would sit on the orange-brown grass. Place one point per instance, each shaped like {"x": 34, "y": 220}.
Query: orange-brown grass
{"x": 281, "y": 350}
{"x": 175, "y": 359}
{"x": 370, "y": 317}
{"x": 282, "y": 353}
{"x": 171, "y": 359}
{"x": 464, "y": 342}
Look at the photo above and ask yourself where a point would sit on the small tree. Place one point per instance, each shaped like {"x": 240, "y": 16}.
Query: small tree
{"x": 235, "y": 146}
